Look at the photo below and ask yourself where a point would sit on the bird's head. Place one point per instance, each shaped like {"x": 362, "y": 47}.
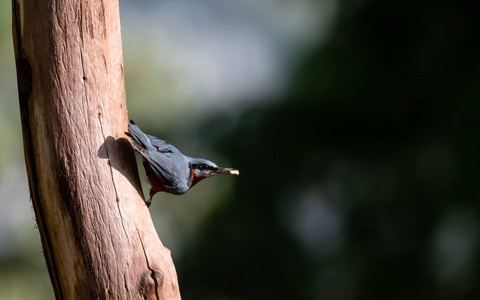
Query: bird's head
{"x": 203, "y": 168}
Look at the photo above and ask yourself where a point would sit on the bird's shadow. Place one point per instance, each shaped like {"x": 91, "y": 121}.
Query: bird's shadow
{"x": 121, "y": 157}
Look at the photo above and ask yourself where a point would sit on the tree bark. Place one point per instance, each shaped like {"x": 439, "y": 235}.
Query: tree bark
{"x": 97, "y": 234}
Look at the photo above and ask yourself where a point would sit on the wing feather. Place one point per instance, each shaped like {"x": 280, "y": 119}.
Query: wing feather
{"x": 161, "y": 145}
{"x": 173, "y": 170}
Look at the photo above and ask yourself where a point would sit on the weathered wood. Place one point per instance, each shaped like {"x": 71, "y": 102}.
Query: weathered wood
{"x": 97, "y": 234}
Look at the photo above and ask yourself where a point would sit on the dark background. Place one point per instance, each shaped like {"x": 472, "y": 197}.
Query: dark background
{"x": 358, "y": 153}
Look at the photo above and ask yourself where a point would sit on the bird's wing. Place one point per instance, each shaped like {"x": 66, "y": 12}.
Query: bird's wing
{"x": 173, "y": 170}
{"x": 162, "y": 164}
{"x": 161, "y": 145}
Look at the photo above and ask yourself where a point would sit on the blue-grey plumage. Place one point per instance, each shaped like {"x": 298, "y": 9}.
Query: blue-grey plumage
{"x": 167, "y": 169}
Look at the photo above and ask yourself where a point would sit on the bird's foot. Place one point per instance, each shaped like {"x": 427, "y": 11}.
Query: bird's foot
{"x": 148, "y": 202}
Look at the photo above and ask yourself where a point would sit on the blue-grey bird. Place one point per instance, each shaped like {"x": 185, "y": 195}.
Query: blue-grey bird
{"x": 167, "y": 169}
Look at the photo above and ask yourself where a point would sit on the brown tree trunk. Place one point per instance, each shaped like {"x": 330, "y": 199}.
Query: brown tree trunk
{"x": 97, "y": 235}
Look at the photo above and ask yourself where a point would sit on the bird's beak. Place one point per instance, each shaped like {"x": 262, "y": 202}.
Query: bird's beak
{"x": 226, "y": 171}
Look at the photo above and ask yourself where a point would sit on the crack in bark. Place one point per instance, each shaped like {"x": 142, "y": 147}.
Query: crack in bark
{"x": 148, "y": 263}
{"x": 117, "y": 198}
{"x": 83, "y": 44}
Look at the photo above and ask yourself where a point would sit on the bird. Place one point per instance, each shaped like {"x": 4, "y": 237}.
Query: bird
{"x": 167, "y": 169}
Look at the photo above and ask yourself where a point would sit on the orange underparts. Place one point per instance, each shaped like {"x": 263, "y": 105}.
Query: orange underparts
{"x": 194, "y": 179}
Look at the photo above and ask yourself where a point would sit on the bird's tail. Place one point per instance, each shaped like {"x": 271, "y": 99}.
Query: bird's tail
{"x": 138, "y": 136}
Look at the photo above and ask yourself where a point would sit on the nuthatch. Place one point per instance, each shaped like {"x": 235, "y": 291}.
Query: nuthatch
{"x": 168, "y": 170}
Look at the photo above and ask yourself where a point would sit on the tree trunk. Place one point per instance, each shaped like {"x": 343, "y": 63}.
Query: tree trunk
{"x": 97, "y": 234}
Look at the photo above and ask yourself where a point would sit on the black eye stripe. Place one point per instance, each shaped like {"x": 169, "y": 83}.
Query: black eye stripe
{"x": 202, "y": 167}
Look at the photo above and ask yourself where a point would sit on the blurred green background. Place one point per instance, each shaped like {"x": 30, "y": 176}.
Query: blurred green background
{"x": 354, "y": 126}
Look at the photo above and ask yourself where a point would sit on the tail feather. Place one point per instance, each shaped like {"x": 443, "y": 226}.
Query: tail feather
{"x": 138, "y": 136}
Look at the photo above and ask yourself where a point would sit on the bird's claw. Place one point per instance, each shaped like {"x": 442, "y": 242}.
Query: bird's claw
{"x": 148, "y": 202}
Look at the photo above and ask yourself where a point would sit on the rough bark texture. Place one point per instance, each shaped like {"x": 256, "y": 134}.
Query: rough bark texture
{"x": 97, "y": 234}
